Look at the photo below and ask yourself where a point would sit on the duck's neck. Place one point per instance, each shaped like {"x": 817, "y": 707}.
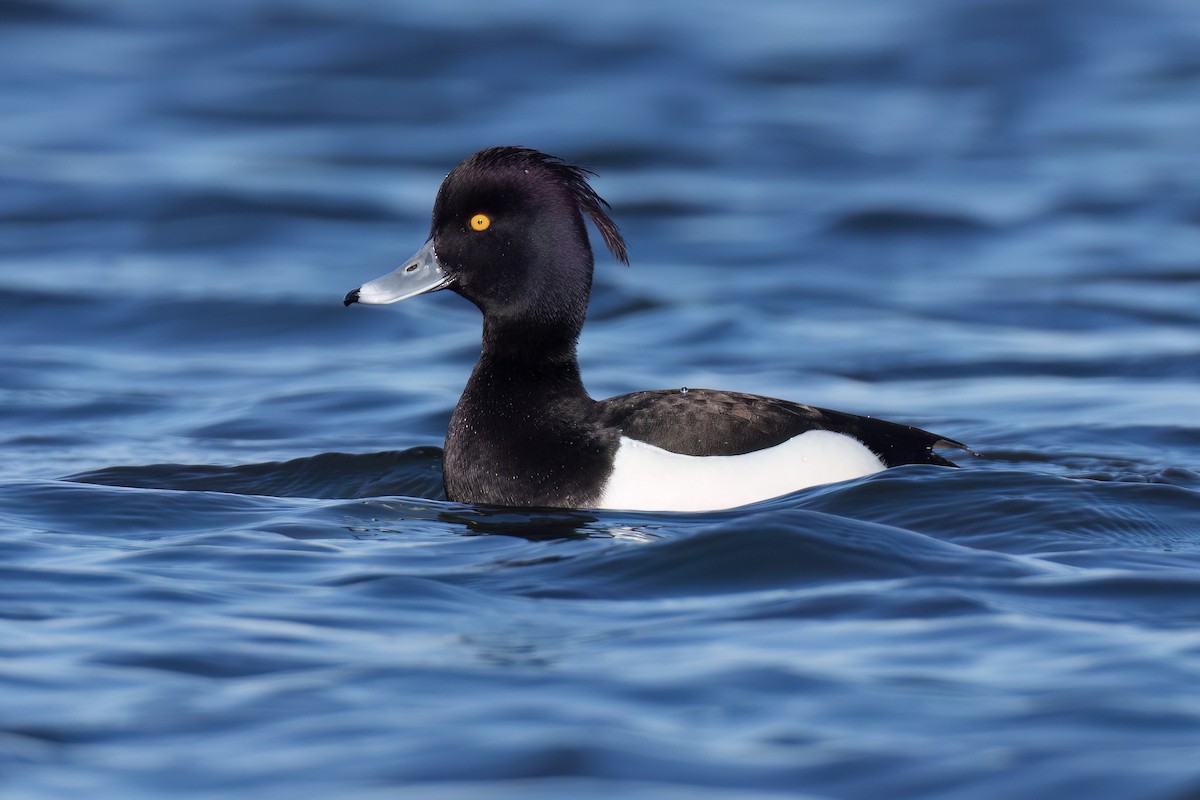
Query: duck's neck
{"x": 528, "y": 359}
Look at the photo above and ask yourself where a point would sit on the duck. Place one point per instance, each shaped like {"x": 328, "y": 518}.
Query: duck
{"x": 508, "y": 235}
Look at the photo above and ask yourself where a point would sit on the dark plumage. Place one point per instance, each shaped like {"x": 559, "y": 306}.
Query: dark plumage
{"x": 508, "y": 234}
{"x": 716, "y": 423}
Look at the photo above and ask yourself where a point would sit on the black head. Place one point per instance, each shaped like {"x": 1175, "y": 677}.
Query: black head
{"x": 508, "y": 232}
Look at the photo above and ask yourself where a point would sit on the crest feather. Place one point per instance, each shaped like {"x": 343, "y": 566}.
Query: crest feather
{"x": 574, "y": 178}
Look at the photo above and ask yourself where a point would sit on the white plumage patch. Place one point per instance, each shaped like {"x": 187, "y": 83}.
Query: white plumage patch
{"x": 648, "y": 478}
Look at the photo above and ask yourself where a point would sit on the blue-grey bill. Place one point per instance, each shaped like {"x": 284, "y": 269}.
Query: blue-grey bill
{"x": 420, "y": 274}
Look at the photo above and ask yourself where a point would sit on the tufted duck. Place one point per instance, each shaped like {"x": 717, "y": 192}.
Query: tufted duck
{"x": 508, "y": 234}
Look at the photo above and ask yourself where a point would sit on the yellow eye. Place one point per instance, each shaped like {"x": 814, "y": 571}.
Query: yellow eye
{"x": 480, "y": 222}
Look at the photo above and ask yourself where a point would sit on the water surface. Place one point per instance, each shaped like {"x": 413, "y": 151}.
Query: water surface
{"x": 228, "y": 566}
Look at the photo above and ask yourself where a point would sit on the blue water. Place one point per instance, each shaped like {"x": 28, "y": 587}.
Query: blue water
{"x": 227, "y": 567}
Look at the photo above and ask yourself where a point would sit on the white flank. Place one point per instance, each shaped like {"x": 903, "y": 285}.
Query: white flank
{"x": 648, "y": 478}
